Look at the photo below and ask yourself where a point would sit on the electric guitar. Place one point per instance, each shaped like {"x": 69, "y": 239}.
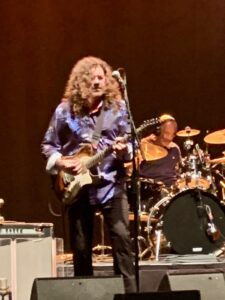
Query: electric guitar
{"x": 68, "y": 186}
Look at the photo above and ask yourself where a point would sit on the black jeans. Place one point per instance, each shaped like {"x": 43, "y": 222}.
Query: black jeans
{"x": 81, "y": 217}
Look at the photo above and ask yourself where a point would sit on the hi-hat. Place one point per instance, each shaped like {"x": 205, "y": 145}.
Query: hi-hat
{"x": 152, "y": 151}
{"x": 216, "y": 137}
{"x": 187, "y": 132}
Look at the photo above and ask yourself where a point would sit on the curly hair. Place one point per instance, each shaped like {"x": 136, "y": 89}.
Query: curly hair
{"x": 78, "y": 85}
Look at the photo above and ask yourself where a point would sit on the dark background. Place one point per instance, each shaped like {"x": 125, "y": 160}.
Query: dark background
{"x": 173, "y": 52}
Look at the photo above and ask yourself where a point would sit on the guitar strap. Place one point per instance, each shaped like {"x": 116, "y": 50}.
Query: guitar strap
{"x": 98, "y": 127}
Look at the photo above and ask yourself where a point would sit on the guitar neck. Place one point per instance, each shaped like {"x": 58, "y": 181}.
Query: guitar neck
{"x": 98, "y": 157}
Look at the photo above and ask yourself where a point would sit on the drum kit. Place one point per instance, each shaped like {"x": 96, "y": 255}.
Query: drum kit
{"x": 189, "y": 217}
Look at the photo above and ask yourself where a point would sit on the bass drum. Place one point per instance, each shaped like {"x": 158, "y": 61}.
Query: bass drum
{"x": 185, "y": 222}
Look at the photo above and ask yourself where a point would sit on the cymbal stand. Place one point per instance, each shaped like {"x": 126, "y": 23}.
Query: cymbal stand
{"x": 141, "y": 239}
{"x": 2, "y": 219}
{"x": 188, "y": 143}
{"x": 158, "y": 233}
{"x": 157, "y": 229}
{"x": 188, "y": 146}
{"x": 222, "y": 183}
{"x": 149, "y": 248}
{"x": 154, "y": 247}
{"x": 141, "y": 253}
{"x": 101, "y": 247}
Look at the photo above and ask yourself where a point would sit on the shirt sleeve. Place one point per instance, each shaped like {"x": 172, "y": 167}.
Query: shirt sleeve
{"x": 51, "y": 144}
{"x": 125, "y": 129}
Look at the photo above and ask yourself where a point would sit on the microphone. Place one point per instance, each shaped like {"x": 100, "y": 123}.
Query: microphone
{"x": 116, "y": 74}
{"x": 212, "y": 230}
{"x": 123, "y": 75}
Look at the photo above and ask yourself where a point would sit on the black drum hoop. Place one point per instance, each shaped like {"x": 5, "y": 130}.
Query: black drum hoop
{"x": 185, "y": 222}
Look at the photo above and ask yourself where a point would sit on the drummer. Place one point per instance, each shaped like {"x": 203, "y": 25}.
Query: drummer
{"x": 165, "y": 169}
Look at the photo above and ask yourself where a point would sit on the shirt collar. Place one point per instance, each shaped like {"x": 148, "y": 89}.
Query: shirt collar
{"x": 96, "y": 109}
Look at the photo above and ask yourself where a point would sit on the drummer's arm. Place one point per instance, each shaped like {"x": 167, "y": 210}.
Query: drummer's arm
{"x": 150, "y": 138}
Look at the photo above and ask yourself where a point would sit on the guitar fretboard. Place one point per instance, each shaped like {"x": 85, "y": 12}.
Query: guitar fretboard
{"x": 94, "y": 160}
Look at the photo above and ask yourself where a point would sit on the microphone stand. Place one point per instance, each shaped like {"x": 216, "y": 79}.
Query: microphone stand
{"x": 135, "y": 182}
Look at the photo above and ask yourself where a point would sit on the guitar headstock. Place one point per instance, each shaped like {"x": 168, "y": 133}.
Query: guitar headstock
{"x": 149, "y": 125}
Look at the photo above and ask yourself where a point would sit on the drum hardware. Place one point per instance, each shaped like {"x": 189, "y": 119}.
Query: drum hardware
{"x": 197, "y": 171}
{"x": 156, "y": 227}
{"x": 187, "y": 133}
{"x": 150, "y": 192}
{"x": 143, "y": 217}
{"x": 188, "y": 144}
{"x": 143, "y": 206}
{"x": 220, "y": 252}
{"x": 144, "y": 247}
{"x": 221, "y": 183}
{"x": 158, "y": 235}
{"x": 101, "y": 248}
{"x": 194, "y": 164}
{"x": 159, "y": 242}
{"x": 2, "y": 219}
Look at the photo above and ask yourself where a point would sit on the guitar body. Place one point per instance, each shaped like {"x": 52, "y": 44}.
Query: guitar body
{"x": 67, "y": 186}
{"x": 74, "y": 186}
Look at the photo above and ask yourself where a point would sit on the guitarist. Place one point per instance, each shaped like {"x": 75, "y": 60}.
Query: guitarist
{"x": 90, "y": 92}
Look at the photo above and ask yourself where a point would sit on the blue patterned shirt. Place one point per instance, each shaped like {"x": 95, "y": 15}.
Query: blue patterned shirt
{"x": 65, "y": 134}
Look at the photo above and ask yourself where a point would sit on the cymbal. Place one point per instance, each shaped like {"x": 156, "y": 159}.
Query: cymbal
{"x": 216, "y": 137}
{"x": 219, "y": 160}
{"x": 152, "y": 151}
{"x": 187, "y": 132}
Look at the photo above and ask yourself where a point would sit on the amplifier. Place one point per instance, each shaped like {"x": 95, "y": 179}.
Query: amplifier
{"x": 15, "y": 230}
{"x": 27, "y": 251}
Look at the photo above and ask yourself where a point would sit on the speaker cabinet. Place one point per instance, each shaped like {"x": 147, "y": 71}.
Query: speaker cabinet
{"x": 79, "y": 288}
{"x": 169, "y": 295}
{"x": 210, "y": 285}
{"x": 27, "y": 251}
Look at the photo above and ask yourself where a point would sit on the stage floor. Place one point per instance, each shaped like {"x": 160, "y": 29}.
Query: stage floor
{"x": 195, "y": 272}
{"x": 151, "y": 272}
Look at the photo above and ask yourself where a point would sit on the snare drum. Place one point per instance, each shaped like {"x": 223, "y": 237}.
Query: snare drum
{"x": 192, "y": 180}
{"x": 185, "y": 223}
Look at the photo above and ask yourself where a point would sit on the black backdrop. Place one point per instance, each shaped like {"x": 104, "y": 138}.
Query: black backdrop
{"x": 173, "y": 52}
